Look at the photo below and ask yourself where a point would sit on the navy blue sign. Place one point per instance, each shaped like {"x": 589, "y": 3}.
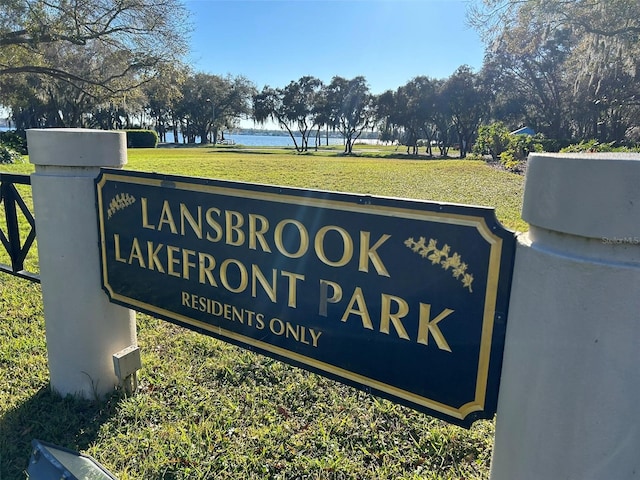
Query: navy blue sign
{"x": 402, "y": 298}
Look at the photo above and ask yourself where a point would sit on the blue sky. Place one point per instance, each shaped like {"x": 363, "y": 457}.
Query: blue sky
{"x": 389, "y": 42}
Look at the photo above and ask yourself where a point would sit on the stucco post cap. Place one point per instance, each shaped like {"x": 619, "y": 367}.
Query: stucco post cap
{"x": 77, "y": 147}
{"x": 593, "y": 195}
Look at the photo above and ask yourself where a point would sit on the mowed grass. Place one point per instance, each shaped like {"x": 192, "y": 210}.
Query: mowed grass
{"x": 376, "y": 171}
{"x": 206, "y": 409}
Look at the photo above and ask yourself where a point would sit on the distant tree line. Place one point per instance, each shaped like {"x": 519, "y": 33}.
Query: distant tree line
{"x": 569, "y": 69}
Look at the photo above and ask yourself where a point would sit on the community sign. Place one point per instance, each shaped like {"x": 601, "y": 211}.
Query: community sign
{"x": 402, "y": 298}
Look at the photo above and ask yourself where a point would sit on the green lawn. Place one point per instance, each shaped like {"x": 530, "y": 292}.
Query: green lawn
{"x": 379, "y": 171}
{"x": 206, "y": 409}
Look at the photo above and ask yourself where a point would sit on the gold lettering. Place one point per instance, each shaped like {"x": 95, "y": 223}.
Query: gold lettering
{"x": 185, "y": 299}
{"x": 136, "y": 253}
{"x": 203, "y": 304}
{"x": 206, "y": 263}
{"x": 167, "y": 217}
{"x": 386, "y": 315}
{"x": 258, "y": 277}
{"x": 280, "y": 330}
{"x": 347, "y": 242}
{"x": 257, "y": 234}
{"x": 293, "y": 292}
{"x": 303, "y": 335}
{"x": 213, "y": 224}
{"x": 171, "y": 261}
{"x": 314, "y": 336}
{"x": 217, "y": 309}
{"x": 196, "y": 225}
{"x": 186, "y": 263}
{"x": 427, "y": 326}
{"x": 302, "y": 233}
{"x": 335, "y": 297}
{"x": 231, "y": 227}
{"x": 370, "y": 253}
{"x": 294, "y": 330}
{"x": 145, "y": 220}
{"x": 152, "y": 257}
{"x": 116, "y": 241}
{"x": 237, "y": 314}
{"x": 358, "y": 298}
{"x": 244, "y": 277}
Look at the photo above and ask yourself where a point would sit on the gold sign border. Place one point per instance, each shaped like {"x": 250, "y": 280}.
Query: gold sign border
{"x": 454, "y": 219}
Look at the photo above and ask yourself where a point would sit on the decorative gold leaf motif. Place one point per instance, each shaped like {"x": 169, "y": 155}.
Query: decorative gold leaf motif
{"x": 120, "y": 202}
{"x": 450, "y": 262}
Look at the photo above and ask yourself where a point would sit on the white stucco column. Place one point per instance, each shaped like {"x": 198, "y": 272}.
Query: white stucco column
{"x": 83, "y": 329}
{"x": 570, "y": 388}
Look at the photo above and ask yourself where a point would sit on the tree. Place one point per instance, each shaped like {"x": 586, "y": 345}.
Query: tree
{"x": 269, "y": 105}
{"x": 413, "y": 111}
{"x": 385, "y": 111}
{"x": 464, "y": 96}
{"x": 351, "y": 109}
{"x": 163, "y": 95}
{"x": 295, "y": 107}
{"x": 230, "y": 103}
{"x": 322, "y": 115}
{"x": 600, "y": 43}
{"x": 211, "y": 103}
{"x": 122, "y": 41}
{"x": 618, "y": 20}
{"x": 443, "y": 119}
{"x": 301, "y": 101}
{"x": 527, "y": 69}
{"x": 63, "y": 104}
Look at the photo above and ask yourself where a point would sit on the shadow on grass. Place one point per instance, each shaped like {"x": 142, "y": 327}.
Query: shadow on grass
{"x": 395, "y": 155}
{"x": 329, "y": 153}
{"x": 261, "y": 151}
{"x": 67, "y": 422}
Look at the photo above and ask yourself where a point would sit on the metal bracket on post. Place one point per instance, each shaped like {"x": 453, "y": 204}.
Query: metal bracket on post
{"x": 126, "y": 363}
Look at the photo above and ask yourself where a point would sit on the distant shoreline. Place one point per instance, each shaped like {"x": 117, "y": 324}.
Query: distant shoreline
{"x": 270, "y": 133}
{"x": 284, "y": 133}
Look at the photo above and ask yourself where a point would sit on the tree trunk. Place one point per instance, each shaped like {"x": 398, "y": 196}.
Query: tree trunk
{"x": 348, "y": 146}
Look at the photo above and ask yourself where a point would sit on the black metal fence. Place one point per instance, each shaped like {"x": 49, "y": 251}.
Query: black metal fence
{"x": 17, "y": 249}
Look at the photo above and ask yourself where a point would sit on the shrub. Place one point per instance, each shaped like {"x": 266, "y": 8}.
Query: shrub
{"x": 522, "y": 145}
{"x": 511, "y": 150}
{"x": 9, "y": 155}
{"x": 509, "y": 161}
{"x": 552, "y": 144}
{"x": 593, "y": 145}
{"x": 632, "y": 135}
{"x": 142, "y": 139}
{"x": 493, "y": 139}
{"x": 14, "y": 140}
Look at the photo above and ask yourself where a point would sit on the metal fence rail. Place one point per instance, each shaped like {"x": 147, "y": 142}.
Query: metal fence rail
{"x": 16, "y": 249}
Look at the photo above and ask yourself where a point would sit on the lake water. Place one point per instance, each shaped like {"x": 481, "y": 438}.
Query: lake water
{"x": 268, "y": 140}
{"x": 253, "y": 140}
